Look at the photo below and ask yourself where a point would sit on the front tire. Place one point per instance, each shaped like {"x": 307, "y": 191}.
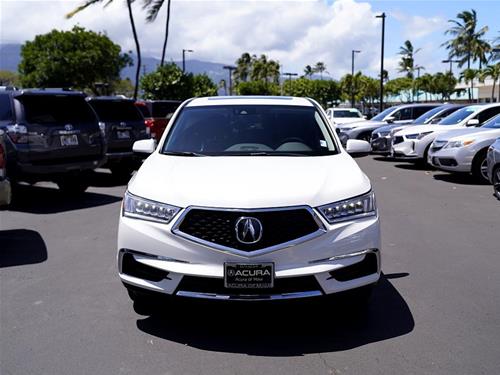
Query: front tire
{"x": 496, "y": 182}
{"x": 73, "y": 185}
{"x": 480, "y": 167}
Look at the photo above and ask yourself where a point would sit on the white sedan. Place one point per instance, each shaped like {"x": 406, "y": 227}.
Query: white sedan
{"x": 248, "y": 198}
{"x": 413, "y": 143}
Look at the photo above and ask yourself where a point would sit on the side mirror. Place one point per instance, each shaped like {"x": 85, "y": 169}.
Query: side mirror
{"x": 390, "y": 119}
{"x": 435, "y": 120}
{"x": 473, "y": 122}
{"x": 365, "y": 117}
{"x": 357, "y": 147}
{"x": 145, "y": 146}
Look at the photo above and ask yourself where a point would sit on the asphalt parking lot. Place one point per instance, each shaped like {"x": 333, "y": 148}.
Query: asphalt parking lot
{"x": 63, "y": 309}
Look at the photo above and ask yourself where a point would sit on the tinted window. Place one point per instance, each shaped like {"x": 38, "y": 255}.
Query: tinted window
{"x": 427, "y": 115}
{"x": 493, "y": 123}
{"x": 487, "y": 114}
{"x": 164, "y": 109}
{"x": 143, "y": 108}
{"x": 116, "y": 110}
{"x": 383, "y": 114}
{"x": 5, "y": 108}
{"x": 419, "y": 111}
{"x": 56, "y": 109}
{"x": 460, "y": 115}
{"x": 346, "y": 113}
{"x": 402, "y": 114}
{"x": 244, "y": 130}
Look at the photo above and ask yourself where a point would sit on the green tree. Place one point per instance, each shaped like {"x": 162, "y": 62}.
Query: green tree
{"x": 444, "y": 84}
{"x": 76, "y": 58}
{"x": 467, "y": 42}
{"x": 243, "y": 68}
{"x": 123, "y": 87}
{"x": 320, "y": 67}
{"x": 169, "y": 82}
{"x": 8, "y": 78}
{"x": 493, "y": 72}
{"x": 426, "y": 84}
{"x": 88, "y": 3}
{"x": 265, "y": 70}
{"x": 406, "y": 64}
{"x": 308, "y": 71}
{"x": 468, "y": 76}
{"x": 401, "y": 87}
{"x": 321, "y": 91}
{"x": 257, "y": 88}
{"x": 153, "y": 8}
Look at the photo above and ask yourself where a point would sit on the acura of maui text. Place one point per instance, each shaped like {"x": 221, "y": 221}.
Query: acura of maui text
{"x": 249, "y": 198}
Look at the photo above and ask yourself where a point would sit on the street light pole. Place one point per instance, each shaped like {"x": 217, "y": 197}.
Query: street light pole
{"x": 417, "y": 68}
{"x": 451, "y": 61}
{"x": 352, "y": 76}
{"x": 381, "y": 104}
{"x": 184, "y": 58}
{"x": 230, "y": 68}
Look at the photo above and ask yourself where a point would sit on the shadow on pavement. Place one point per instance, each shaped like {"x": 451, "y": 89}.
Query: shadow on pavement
{"x": 289, "y": 329}
{"x": 21, "y": 246}
{"x": 47, "y": 200}
{"x": 104, "y": 178}
{"x": 459, "y": 178}
{"x": 384, "y": 158}
{"x": 414, "y": 167}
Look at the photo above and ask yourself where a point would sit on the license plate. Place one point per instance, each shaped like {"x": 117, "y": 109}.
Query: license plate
{"x": 249, "y": 276}
{"x": 123, "y": 134}
{"x": 69, "y": 140}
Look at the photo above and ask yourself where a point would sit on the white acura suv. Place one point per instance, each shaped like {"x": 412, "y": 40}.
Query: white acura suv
{"x": 248, "y": 198}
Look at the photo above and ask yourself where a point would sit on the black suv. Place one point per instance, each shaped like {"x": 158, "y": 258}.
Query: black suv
{"x": 123, "y": 124}
{"x": 52, "y": 135}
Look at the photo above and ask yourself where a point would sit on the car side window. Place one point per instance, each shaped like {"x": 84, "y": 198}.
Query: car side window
{"x": 5, "y": 108}
{"x": 419, "y": 111}
{"x": 403, "y": 114}
{"x": 487, "y": 114}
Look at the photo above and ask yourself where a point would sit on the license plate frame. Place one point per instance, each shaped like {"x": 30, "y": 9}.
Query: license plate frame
{"x": 250, "y": 276}
{"x": 123, "y": 134}
{"x": 68, "y": 140}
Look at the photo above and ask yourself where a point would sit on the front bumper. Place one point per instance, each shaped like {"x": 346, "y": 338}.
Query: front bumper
{"x": 335, "y": 261}
{"x": 451, "y": 159}
{"x": 381, "y": 145}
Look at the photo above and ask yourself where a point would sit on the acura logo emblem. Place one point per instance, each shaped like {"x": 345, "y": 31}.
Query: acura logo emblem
{"x": 248, "y": 230}
{"x": 68, "y": 127}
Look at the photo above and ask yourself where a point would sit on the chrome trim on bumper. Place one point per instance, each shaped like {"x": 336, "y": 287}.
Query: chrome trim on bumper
{"x": 344, "y": 256}
{"x": 250, "y": 297}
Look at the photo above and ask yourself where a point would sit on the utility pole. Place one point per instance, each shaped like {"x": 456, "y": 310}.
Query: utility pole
{"x": 230, "y": 68}
{"x": 451, "y": 61}
{"x": 352, "y": 77}
{"x": 290, "y": 75}
{"x": 418, "y": 68}
{"x": 381, "y": 104}
{"x": 184, "y": 58}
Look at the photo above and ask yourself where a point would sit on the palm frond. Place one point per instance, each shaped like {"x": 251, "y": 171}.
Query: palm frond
{"x": 84, "y": 6}
{"x": 153, "y": 7}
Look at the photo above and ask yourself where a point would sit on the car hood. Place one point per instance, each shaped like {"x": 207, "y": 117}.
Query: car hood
{"x": 428, "y": 128}
{"x": 387, "y": 128}
{"x": 249, "y": 182}
{"x": 466, "y": 133}
{"x": 366, "y": 123}
{"x": 347, "y": 120}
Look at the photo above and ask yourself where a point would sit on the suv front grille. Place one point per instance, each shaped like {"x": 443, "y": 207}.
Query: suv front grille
{"x": 218, "y": 227}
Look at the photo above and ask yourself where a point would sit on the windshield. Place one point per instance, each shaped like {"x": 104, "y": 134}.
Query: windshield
{"x": 460, "y": 115}
{"x": 427, "y": 115}
{"x": 383, "y": 114}
{"x": 249, "y": 130}
{"x": 346, "y": 113}
{"x": 119, "y": 110}
{"x": 494, "y": 123}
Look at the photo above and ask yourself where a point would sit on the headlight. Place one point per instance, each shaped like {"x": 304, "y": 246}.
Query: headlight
{"x": 350, "y": 209}
{"x": 145, "y": 209}
{"x": 457, "y": 144}
{"x": 417, "y": 135}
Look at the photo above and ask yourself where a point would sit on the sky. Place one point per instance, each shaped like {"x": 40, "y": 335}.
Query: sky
{"x": 296, "y": 33}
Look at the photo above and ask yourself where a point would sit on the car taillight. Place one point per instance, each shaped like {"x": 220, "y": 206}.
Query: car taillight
{"x": 149, "y": 123}
{"x": 17, "y": 133}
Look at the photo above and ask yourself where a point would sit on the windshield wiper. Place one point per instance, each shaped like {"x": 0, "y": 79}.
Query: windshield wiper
{"x": 182, "y": 153}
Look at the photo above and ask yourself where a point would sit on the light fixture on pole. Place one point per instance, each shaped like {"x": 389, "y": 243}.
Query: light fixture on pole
{"x": 451, "y": 61}
{"x": 184, "y": 58}
{"x": 352, "y": 76}
{"x": 230, "y": 68}
{"x": 381, "y": 104}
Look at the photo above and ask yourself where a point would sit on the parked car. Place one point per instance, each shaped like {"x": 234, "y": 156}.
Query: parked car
{"x": 122, "y": 124}
{"x": 493, "y": 158}
{"x": 157, "y": 114}
{"x": 340, "y": 116}
{"x": 52, "y": 135}
{"x": 412, "y": 144}
{"x": 464, "y": 150}
{"x": 5, "y": 190}
{"x": 401, "y": 114}
{"x": 248, "y": 199}
{"x": 381, "y": 138}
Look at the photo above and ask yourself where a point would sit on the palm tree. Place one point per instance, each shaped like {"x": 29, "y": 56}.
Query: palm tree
{"x": 468, "y": 76}
{"x": 407, "y": 52}
{"x": 243, "y": 67}
{"x": 88, "y": 3}
{"x": 320, "y": 67}
{"x": 153, "y": 7}
{"x": 308, "y": 71}
{"x": 493, "y": 72}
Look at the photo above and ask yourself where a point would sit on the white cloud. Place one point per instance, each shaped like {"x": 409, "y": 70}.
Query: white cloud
{"x": 296, "y": 33}
{"x": 418, "y": 27}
